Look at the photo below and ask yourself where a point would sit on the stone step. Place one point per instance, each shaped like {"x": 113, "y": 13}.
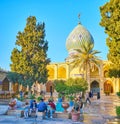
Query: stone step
{"x": 14, "y": 113}
{"x": 4, "y": 101}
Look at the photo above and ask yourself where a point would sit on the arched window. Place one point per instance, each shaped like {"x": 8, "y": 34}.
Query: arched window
{"x": 61, "y": 73}
{"x": 51, "y": 73}
{"x": 105, "y": 73}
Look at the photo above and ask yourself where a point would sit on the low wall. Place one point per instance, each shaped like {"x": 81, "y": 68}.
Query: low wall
{"x": 18, "y": 113}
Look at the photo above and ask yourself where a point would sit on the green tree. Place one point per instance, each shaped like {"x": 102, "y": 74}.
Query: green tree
{"x": 76, "y": 85}
{"x": 60, "y": 87}
{"x": 114, "y": 73}
{"x": 110, "y": 13}
{"x": 85, "y": 59}
{"x": 29, "y": 59}
{"x": 70, "y": 87}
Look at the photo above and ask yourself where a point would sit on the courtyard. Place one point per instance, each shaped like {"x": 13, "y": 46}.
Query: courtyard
{"x": 100, "y": 111}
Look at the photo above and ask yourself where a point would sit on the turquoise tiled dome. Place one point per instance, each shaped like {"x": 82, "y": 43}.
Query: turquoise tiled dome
{"x": 79, "y": 34}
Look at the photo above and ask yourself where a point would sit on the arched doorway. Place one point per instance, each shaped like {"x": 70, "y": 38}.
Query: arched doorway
{"x": 108, "y": 88}
{"x": 94, "y": 86}
{"x": 49, "y": 86}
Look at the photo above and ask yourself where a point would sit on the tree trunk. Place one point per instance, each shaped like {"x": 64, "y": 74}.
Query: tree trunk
{"x": 88, "y": 75}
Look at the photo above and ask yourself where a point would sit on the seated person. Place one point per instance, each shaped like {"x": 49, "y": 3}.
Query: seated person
{"x": 33, "y": 107}
{"x": 13, "y": 103}
{"x": 59, "y": 107}
{"x": 26, "y": 110}
{"x": 42, "y": 107}
{"x": 52, "y": 108}
{"x": 76, "y": 105}
{"x": 31, "y": 102}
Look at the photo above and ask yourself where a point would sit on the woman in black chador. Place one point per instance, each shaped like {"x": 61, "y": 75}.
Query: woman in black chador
{"x": 98, "y": 95}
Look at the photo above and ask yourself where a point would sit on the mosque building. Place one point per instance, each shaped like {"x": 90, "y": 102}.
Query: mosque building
{"x": 98, "y": 79}
{"x": 98, "y": 76}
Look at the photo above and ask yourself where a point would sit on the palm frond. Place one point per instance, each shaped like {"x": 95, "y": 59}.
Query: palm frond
{"x": 95, "y": 52}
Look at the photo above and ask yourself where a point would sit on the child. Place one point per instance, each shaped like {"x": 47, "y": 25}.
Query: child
{"x": 52, "y": 108}
{"x": 26, "y": 110}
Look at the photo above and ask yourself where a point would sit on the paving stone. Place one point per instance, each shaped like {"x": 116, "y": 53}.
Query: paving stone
{"x": 99, "y": 112}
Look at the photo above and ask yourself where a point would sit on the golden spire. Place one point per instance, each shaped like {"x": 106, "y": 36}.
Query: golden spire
{"x": 79, "y": 18}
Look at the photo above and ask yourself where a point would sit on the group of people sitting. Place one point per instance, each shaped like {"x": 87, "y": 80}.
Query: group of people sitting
{"x": 49, "y": 108}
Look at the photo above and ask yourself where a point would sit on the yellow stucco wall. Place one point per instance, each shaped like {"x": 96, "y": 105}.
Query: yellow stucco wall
{"x": 64, "y": 71}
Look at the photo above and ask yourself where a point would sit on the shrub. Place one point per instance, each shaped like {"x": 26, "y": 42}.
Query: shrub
{"x": 118, "y": 94}
{"x": 21, "y": 99}
{"x": 26, "y": 93}
{"x": 70, "y": 97}
{"x": 118, "y": 110}
{"x": 38, "y": 98}
{"x": 32, "y": 96}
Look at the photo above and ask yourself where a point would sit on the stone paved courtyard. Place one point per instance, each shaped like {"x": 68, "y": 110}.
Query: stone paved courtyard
{"x": 99, "y": 112}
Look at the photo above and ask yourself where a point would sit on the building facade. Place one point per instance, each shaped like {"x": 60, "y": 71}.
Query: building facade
{"x": 98, "y": 80}
{"x": 98, "y": 75}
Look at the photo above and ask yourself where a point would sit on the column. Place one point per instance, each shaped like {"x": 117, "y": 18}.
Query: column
{"x": 67, "y": 71}
{"x": 88, "y": 77}
{"x": 10, "y": 86}
{"x": 117, "y": 82}
{"x": 101, "y": 78}
{"x": 114, "y": 84}
{"x": 56, "y": 72}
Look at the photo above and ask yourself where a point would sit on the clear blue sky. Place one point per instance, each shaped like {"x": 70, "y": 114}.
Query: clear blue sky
{"x": 60, "y": 17}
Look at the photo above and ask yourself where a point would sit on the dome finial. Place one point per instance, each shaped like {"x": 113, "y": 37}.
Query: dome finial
{"x": 79, "y": 18}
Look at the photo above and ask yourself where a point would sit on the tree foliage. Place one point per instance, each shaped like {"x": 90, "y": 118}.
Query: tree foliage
{"x": 59, "y": 86}
{"x": 114, "y": 73}
{"x": 110, "y": 20}
{"x": 29, "y": 59}
{"x": 76, "y": 85}
{"x": 13, "y": 77}
{"x": 85, "y": 58}
{"x": 70, "y": 86}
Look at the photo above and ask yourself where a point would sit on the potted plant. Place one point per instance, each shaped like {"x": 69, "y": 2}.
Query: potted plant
{"x": 75, "y": 86}
{"x": 75, "y": 115}
{"x": 65, "y": 105}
